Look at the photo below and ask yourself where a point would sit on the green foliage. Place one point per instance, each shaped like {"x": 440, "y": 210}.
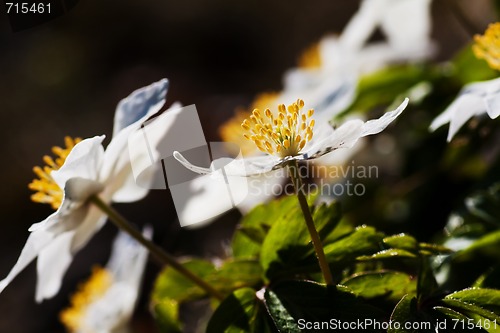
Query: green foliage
{"x": 239, "y": 312}
{"x": 391, "y": 285}
{"x": 166, "y": 313}
{"x": 467, "y": 68}
{"x": 290, "y": 301}
{"x": 287, "y": 245}
{"x": 379, "y": 88}
{"x": 422, "y": 246}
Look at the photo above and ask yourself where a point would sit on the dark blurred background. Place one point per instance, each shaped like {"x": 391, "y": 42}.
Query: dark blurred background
{"x": 66, "y": 76}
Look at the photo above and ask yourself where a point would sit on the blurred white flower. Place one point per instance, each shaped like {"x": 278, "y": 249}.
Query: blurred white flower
{"x": 82, "y": 170}
{"x": 475, "y": 99}
{"x": 330, "y": 69}
{"x": 105, "y": 303}
{"x": 291, "y": 136}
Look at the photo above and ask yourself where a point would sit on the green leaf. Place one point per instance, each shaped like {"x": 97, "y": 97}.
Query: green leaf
{"x": 166, "y": 314}
{"x": 235, "y": 274}
{"x": 385, "y": 254}
{"x": 293, "y": 303}
{"x": 389, "y": 285}
{"x": 487, "y": 245}
{"x": 232, "y": 274}
{"x": 362, "y": 241}
{"x": 456, "y": 321}
{"x": 380, "y": 87}
{"x": 405, "y": 311}
{"x": 484, "y": 324}
{"x": 172, "y": 285}
{"x": 472, "y": 308}
{"x": 451, "y": 313}
{"x": 280, "y": 315}
{"x": 288, "y": 243}
{"x": 482, "y": 297}
{"x": 490, "y": 279}
{"x": 240, "y": 312}
{"x": 255, "y": 225}
{"x": 401, "y": 241}
{"x": 468, "y": 68}
{"x": 433, "y": 249}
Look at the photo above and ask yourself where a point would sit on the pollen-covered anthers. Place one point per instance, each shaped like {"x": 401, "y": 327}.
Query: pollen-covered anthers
{"x": 284, "y": 134}
{"x": 487, "y": 46}
{"x": 95, "y": 287}
{"x": 230, "y": 131}
{"x": 47, "y": 191}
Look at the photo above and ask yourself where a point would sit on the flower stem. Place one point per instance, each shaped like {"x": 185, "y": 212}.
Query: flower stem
{"x": 318, "y": 246}
{"x": 154, "y": 249}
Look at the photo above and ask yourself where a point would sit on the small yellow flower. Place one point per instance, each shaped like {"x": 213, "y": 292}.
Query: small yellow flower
{"x": 47, "y": 190}
{"x": 487, "y": 46}
{"x": 88, "y": 292}
{"x": 284, "y": 134}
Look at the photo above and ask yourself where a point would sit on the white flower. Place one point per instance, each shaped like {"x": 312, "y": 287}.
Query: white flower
{"x": 291, "y": 136}
{"x": 88, "y": 169}
{"x": 475, "y": 99}
{"x": 331, "y": 69}
{"x": 105, "y": 303}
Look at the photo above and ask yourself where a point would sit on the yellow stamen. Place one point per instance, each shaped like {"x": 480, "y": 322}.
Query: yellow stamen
{"x": 231, "y": 130}
{"x": 487, "y": 46}
{"x": 311, "y": 57}
{"x": 47, "y": 191}
{"x": 280, "y": 137}
{"x": 87, "y": 293}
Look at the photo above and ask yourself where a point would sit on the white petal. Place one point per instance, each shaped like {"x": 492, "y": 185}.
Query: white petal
{"x": 204, "y": 198}
{"x": 378, "y": 125}
{"x": 363, "y": 23}
{"x": 128, "y": 258}
{"x": 493, "y": 106}
{"x": 467, "y": 107}
{"x": 111, "y": 313}
{"x": 201, "y": 200}
{"x": 343, "y": 137}
{"x": 52, "y": 263}
{"x": 140, "y": 103}
{"x": 128, "y": 190}
{"x": 36, "y": 242}
{"x": 407, "y": 25}
{"x": 88, "y": 227}
{"x": 262, "y": 188}
{"x": 80, "y": 189}
{"x": 129, "y": 156}
{"x": 83, "y": 161}
{"x": 67, "y": 217}
{"x": 444, "y": 117}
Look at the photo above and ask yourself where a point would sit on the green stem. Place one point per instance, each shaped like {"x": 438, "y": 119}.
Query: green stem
{"x": 318, "y": 246}
{"x": 154, "y": 249}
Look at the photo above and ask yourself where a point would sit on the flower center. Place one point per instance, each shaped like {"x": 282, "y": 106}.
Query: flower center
{"x": 47, "y": 190}
{"x": 230, "y": 131}
{"x": 310, "y": 57}
{"x": 87, "y": 293}
{"x": 487, "y": 46}
{"x": 283, "y": 135}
